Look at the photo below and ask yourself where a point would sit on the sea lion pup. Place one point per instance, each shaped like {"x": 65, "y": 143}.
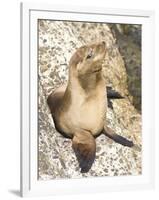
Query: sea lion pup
{"x": 79, "y": 108}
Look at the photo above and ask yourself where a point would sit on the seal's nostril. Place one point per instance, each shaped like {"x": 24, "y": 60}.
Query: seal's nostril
{"x": 103, "y": 42}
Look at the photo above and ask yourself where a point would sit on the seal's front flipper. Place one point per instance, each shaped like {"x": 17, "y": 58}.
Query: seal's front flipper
{"x": 84, "y": 147}
{"x": 117, "y": 138}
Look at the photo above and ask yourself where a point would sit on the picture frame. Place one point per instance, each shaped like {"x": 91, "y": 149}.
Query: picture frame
{"x": 30, "y": 185}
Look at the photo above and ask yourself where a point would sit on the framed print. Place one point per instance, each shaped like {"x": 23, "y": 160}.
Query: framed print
{"x": 87, "y": 79}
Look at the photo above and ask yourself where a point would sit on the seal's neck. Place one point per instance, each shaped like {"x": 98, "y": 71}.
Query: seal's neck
{"x": 90, "y": 82}
{"x": 86, "y": 83}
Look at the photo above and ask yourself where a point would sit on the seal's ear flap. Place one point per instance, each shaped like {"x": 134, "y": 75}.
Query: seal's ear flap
{"x": 84, "y": 147}
{"x": 77, "y": 57}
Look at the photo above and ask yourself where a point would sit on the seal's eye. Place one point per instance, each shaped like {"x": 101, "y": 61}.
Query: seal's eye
{"x": 89, "y": 54}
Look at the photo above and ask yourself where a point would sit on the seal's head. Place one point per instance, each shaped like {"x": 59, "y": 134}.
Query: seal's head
{"x": 88, "y": 59}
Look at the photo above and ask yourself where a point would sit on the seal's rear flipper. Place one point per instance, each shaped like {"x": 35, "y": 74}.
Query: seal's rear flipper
{"x": 112, "y": 94}
{"x": 117, "y": 138}
{"x": 84, "y": 147}
{"x": 110, "y": 104}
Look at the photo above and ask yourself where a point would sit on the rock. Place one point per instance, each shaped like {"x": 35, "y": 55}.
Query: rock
{"x": 129, "y": 42}
{"x": 57, "y": 42}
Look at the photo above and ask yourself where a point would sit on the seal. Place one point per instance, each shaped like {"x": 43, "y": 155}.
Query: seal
{"x": 79, "y": 107}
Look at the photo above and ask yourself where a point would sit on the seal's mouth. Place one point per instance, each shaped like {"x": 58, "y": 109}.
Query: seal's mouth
{"x": 97, "y": 70}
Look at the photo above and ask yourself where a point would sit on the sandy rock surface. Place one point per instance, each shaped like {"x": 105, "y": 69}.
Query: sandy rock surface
{"x": 57, "y": 42}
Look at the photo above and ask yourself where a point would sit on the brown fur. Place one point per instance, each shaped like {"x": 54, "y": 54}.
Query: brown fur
{"x": 79, "y": 108}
